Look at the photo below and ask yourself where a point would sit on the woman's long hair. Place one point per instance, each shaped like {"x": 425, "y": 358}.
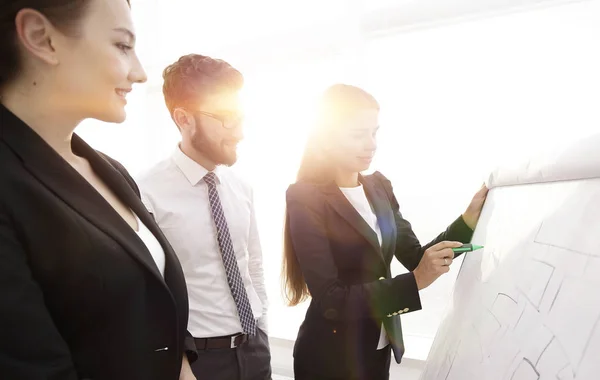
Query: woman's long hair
{"x": 338, "y": 103}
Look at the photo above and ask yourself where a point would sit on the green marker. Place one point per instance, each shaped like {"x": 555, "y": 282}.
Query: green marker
{"x": 467, "y": 248}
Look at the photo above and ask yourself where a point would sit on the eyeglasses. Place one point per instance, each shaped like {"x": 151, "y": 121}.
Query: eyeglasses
{"x": 229, "y": 121}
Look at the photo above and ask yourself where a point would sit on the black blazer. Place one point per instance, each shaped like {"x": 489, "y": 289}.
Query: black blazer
{"x": 80, "y": 295}
{"x": 348, "y": 273}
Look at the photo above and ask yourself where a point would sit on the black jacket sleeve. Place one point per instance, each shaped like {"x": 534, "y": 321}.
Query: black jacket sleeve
{"x": 409, "y": 250}
{"x": 31, "y": 346}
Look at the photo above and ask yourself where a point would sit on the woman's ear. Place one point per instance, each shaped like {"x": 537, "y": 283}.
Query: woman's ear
{"x": 35, "y": 34}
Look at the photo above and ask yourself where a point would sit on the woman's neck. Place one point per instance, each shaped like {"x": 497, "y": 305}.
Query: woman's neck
{"x": 346, "y": 179}
{"x": 32, "y": 103}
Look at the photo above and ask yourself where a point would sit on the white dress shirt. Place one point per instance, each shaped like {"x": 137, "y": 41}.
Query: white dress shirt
{"x": 357, "y": 197}
{"x": 174, "y": 191}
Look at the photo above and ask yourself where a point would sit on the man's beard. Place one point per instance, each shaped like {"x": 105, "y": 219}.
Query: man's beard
{"x": 214, "y": 152}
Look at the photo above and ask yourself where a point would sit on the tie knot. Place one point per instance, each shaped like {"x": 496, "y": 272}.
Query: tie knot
{"x": 210, "y": 178}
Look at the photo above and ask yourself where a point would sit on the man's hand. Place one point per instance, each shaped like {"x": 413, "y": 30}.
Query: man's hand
{"x": 435, "y": 262}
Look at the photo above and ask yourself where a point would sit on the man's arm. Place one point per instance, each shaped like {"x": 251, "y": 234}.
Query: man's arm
{"x": 255, "y": 265}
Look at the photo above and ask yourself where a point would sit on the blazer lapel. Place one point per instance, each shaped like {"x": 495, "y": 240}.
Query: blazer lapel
{"x": 115, "y": 180}
{"x": 173, "y": 278}
{"x": 67, "y": 184}
{"x": 385, "y": 216}
{"x": 119, "y": 185}
{"x": 343, "y": 207}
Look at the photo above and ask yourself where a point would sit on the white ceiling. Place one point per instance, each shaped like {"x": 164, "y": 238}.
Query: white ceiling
{"x": 289, "y": 29}
{"x": 231, "y": 21}
{"x": 388, "y": 16}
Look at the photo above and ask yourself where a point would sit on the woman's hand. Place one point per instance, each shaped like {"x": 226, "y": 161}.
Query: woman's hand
{"x": 186, "y": 371}
{"x": 435, "y": 262}
{"x": 471, "y": 215}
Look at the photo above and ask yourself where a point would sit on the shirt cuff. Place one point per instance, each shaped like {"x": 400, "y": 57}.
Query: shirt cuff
{"x": 263, "y": 324}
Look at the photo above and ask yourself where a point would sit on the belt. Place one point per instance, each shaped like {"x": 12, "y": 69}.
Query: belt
{"x": 220, "y": 342}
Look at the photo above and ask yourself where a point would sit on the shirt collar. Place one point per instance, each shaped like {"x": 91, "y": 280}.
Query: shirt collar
{"x": 193, "y": 171}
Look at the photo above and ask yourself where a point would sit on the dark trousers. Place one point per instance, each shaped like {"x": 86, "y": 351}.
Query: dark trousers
{"x": 250, "y": 361}
{"x": 376, "y": 367}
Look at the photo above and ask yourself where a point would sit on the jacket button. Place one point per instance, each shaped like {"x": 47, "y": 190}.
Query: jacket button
{"x": 382, "y": 278}
{"x": 331, "y": 314}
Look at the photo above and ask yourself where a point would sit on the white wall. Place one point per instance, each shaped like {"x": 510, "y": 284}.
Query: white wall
{"x": 456, "y": 99}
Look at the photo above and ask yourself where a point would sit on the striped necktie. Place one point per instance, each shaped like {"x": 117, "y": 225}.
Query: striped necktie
{"x": 234, "y": 278}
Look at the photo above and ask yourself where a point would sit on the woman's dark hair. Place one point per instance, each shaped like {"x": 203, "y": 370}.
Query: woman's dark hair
{"x": 63, "y": 14}
{"x": 339, "y": 102}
